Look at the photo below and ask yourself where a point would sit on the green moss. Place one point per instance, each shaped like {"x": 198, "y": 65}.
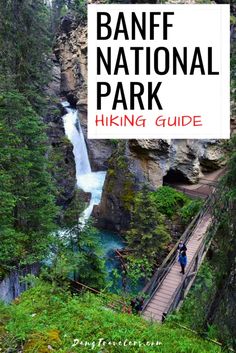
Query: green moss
{"x": 128, "y": 193}
{"x": 65, "y": 141}
{"x": 114, "y": 142}
{"x": 120, "y": 177}
{"x": 48, "y": 317}
{"x": 111, "y": 172}
{"x": 42, "y": 342}
{"x": 110, "y": 184}
{"x": 233, "y": 19}
{"x": 121, "y": 162}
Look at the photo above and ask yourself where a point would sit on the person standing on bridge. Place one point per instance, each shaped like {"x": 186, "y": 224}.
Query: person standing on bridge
{"x": 183, "y": 261}
{"x": 181, "y": 247}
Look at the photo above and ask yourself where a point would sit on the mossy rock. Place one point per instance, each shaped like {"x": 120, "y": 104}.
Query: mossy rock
{"x": 43, "y": 342}
{"x": 128, "y": 193}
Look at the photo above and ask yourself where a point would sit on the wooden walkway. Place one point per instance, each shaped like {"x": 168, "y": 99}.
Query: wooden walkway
{"x": 166, "y": 291}
{"x": 203, "y": 188}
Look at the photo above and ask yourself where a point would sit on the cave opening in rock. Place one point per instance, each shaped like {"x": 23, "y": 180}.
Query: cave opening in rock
{"x": 175, "y": 176}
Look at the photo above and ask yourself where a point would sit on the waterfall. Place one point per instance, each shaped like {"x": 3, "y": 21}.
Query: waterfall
{"x": 86, "y": 180}
{"x": 76, "y": 137}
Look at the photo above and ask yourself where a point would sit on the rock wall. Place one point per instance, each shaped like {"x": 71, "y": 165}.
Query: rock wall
{"x": 149, "y": 161}
{"x": 61, "y": 155}
{"x": 60, "y": 151}
{"x": 186, "y": 158}
{"x": 12, "y": 286}
{"x": 120, "y": 185}
{"x": 71, "y": 52}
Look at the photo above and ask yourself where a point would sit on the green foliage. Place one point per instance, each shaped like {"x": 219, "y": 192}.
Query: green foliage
{"x": 232, "y": 19}
{"x": 138, "y": 269}
{"x": 81, "y": 7}
{"x": 173, "y": 203}
{"x": 190, "y": 209}
{"x": 27, "y": 204}
{"x": 130, "y": 280}
{"x": 229, "y": 181}
{"x": 233, "y": 73}
{"x": 196, "y": 306}
{"x": 114, "y": 142}
{"x": 211, "y": 300}
{"x": 91, "y": 269}
{"x": 169, "y": 200}
{"x": 59, "y": 8}
{"x": 77, "y": 254}
{"x": 204, "y": 2}
{"x": 147, "y": 236}
{"x": 62, "y": 7}
{"x": 46, "y": 316}
{"x": 73, "y": 211}
{"x": 24, "y": 44}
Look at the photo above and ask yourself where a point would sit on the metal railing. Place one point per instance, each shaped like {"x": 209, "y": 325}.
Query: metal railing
{"x": 191, "y": 272}
{"x": 155, "y": 282}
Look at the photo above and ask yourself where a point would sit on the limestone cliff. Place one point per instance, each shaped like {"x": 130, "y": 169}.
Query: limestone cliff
{"x": 152, "y": 162}
{"x": 61, "y": 156}
{"x": 60, "y": 152}
{"x": 71, "y": 52}
{"x": 149, "y": 161}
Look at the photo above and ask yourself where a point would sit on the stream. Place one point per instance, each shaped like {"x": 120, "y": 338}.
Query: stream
{"x": 91, "y": 182}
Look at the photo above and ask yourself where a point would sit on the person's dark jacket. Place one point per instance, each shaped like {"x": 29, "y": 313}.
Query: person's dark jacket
{"x": 183, "y": 259}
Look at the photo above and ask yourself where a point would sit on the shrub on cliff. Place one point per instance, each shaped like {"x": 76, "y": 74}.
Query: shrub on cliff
{"x": 173, "y": 203}
{"x": 168, "y": 200}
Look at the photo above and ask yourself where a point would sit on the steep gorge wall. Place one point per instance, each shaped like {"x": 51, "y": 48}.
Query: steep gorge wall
{"x": 148, "y": 161}
{"x": 152, "y": 162}
{"x": 60, "y": 151}
{"x": 12, "y": 285}
{"x": 71, "y": 52}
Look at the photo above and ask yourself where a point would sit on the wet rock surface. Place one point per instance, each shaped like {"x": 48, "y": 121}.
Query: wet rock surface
{"x": 60, "y": 151}
{"x": 71, "y": 52}
{"x": 61, "y": 155}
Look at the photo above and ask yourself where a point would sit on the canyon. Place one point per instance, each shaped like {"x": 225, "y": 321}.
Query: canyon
{"x": 146, "y": 161}
{"x": 69, "y": 201}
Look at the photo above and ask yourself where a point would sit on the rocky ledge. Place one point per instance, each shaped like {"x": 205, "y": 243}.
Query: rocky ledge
{"x": 71, "y": 52}
{"x": 146, "y": 161}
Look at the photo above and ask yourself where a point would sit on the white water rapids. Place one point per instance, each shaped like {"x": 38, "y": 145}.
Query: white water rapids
{"x": 87, "y": 180}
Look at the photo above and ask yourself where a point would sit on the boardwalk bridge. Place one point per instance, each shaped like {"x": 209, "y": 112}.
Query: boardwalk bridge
{"x": 167, "y": 288}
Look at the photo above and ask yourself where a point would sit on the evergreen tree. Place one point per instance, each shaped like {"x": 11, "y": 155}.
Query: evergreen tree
{"x": 148, "y": 235}
{"x": 78, "y": 254}
{"x": 27, "y": 207}
{"x": 24, "y": 43}
{"x": 91, "y": 266}
{"x": 58, "y": 9}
